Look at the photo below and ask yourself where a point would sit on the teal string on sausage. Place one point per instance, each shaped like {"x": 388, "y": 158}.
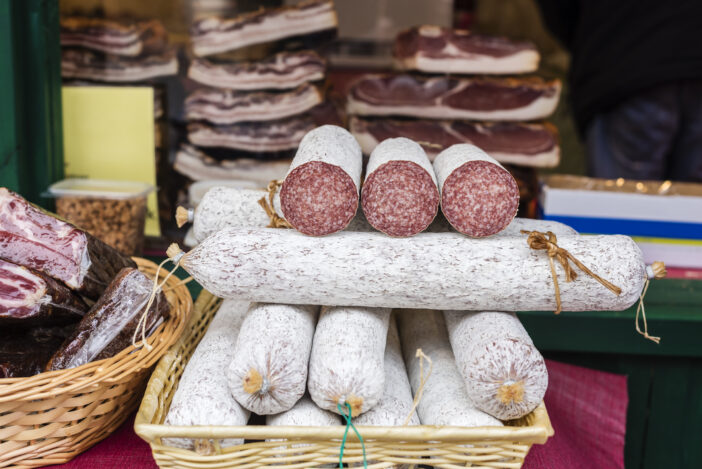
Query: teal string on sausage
{"x": 350, "y": 424}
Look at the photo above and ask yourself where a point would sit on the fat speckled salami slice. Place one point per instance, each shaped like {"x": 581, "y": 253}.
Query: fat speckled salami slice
{"x": 478, "y": 196}
{"x": 505, "y": 374}
{"x": 268, "y": 373}
{"x": 400, "y": 196}
{"x": 429, "y": 270}
{"x": 346, "y": 363}
{"x": 445, "y": 400}
{"x": 319, "y": 195}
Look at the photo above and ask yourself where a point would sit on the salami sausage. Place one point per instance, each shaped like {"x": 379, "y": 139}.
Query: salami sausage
{"x": 400, "y": 196}
{"x": 268, "y": 372}
{"x": 429, "y": 270}
{"x": 346, "y": 363}
{"x": 505, "y": 375}
{"x": 31, "y": 298}
{"x": 395, "y": 405}
{"x": 478, "y": 196}
{"x": 203, "y": 396}
{"x": 304, "y": 413}
{"x": 31, "y": 237}
{"x": 319, "y": 195}
{"x": 108, "y": 327}
{"x": 445, "y": 400}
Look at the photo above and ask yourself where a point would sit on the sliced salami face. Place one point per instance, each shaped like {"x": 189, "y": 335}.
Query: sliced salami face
{"x": 442, "y": 50}
{"x": 400, "y": 196}
{"x": 319, "y": 195}
{"x": 478, "y": 196}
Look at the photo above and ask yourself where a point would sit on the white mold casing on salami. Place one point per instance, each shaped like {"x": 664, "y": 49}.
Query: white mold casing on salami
{"x": 505, "y": 374}
{"x": 268, "y": 372}
{"x": 400, "y": 196}
{"x": 429, "y": 270}
{"x": 304, "y": 413}
{"x": 445, "y": 400}
{"x": 479, "y": 197}
{"x": 319, "y": 195}
{"x": 396, "y": 403}
{"x": 347, "y": 359}
{"x": 203, "y": 396}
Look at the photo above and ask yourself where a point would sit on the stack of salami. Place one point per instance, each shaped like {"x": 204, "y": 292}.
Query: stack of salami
{"x": 459, "y": 98}
{"x": 244, "y": 117}
{"x": 454, "y": 290}
{"x": 50, "y": 272}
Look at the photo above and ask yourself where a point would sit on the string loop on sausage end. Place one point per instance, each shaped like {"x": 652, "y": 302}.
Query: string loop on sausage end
{"x": 276, "y": 221}
{"x": 349, "y": 424}
{"x": 655, "y": 271}
{"x": 422, "y": 381}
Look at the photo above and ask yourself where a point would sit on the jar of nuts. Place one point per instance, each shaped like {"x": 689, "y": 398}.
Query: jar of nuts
{"x": 112, "y": 211}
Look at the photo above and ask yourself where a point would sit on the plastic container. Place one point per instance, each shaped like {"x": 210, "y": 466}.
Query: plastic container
{"x": 112, "y": 211}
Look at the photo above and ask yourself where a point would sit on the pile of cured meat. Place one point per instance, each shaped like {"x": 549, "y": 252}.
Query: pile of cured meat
{"x": 434, "y": 259}
{"x": 66, "y": 298}
{"x": 255, "y": 90}
{"x": 470, "y": 91}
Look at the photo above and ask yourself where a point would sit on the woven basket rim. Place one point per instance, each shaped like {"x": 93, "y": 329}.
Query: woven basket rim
{"x": 115, "y": 369}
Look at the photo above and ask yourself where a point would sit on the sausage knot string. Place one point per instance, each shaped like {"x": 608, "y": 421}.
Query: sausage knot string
{"x": 653, "y": 271}
{"x": 349, "y": 424}
{"x": 267, "y": 203}
{"x": 549, "y": 243}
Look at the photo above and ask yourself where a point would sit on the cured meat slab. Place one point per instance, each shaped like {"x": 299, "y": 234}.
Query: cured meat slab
{"x": 24, "y": 352}
{"x": 89, "y": 65}
{"x": 34, "y": 238}
{"x": 281, "y": 71}
{"x": 215, "y": 35}
{"x": 524, "y": 144}
{"x": 198, "y": 166}
{"x": 491, "y": 99}
{"x": 435, "y": 49}
{"x": 113, "y": 37}
{"x": 429, "y": 270}
{"x": 268, "y": 136}
{"x": 29, "y": 297}
{"x": 230, "y": 107}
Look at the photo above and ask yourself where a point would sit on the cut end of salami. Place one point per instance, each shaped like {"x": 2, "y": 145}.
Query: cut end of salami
{"x": 400, "y": 198}
{"x": 318, "y": 198}
{"x": 480, "y": 198}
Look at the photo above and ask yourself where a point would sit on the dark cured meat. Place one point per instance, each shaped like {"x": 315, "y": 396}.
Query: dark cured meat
{"x": 109, "y": 326}
{"x": 452, "y": 98}
{"x": 32, "y": 298}
{"x": 113, "y": 37}
{"x": 25, "y": 353}
{"x": 34, "y": 238}
{"x": 444, "y": 50}
{"x": 525, "y": 144}
{"x": 90, "y": 65}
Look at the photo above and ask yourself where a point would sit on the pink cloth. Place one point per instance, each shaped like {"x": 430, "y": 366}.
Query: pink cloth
{"x": 587, "y": 409}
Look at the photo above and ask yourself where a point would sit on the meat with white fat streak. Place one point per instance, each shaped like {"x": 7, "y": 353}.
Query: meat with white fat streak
{"x": 347, "y": 359}
{"x": 203, "y": 396}
{"x": 429, "y": 270}
{"x": 198, "y": 166}
{"x": 395, "y": 406}
{"x": 505, "y": 374}
{"x": 268, "y": 372}
{"x": 445, "y": 400}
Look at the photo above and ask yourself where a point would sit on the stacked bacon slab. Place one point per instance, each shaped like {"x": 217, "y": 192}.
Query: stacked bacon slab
{"x": 253, "y": 109}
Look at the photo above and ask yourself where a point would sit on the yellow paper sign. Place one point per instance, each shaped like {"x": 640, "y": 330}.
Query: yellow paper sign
{"x": 108, "y": 133}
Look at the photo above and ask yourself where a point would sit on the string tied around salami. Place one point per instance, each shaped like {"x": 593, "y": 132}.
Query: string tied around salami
{"x": 422, "y": 381}
{"x": 267, "y": 203}
{"x": 653, "y": 271}
{"x": 548, "y": 242}
{"x": 349, "y": 425}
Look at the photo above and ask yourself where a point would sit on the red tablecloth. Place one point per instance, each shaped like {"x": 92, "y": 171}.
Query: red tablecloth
{"x": 587, "y": 410}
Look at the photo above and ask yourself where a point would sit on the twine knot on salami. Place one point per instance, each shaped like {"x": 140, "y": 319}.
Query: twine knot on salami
{"x": 349, "y": 424}
{"x": 548, "y": 242}
{"x": 653, "y": 271}
{"x": 422, "y": 382}
{"x": 267, "y": 203}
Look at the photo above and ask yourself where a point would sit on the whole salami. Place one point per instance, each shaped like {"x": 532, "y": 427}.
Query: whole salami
{"x": 400, "y": 196}
{"x": 30, "y": 298}
{"x": 445, "y": 400}
{"x": 346, "y": 363}
{"x": 268, "y": 372}
{"x": 394, "y": 407}
{"x": 478, "y": 196}
{"x": 34, "y": 238}
{"x": 505, "y": 374}
{"x": 429, "y": 270}
{"x": 319, "y": 195}
{"x": 304, "y": 413}
{"x": 203, "y": 396}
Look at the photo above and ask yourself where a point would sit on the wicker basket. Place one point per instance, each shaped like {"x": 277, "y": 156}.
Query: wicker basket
{"x": 311, "y": 447}
{"x": 52, "y": 417}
